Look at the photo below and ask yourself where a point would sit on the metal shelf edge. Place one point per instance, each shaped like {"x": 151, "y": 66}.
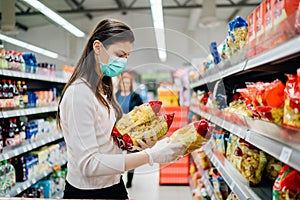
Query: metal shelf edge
{"x": 12, "y": 73}
{"x": 288, "y": 48}
{"x": 27, "y": 111}
{"x": 29, "y": 146}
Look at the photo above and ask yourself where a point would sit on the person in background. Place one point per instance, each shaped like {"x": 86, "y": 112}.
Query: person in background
{"x": 128, "y": 100}
{"x": 87, "y": 113}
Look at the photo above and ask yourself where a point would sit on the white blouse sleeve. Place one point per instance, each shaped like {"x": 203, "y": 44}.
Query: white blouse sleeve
{"x": 80, "y": 116}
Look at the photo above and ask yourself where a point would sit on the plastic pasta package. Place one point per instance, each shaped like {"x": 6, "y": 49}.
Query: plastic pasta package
{"x": 250, "y": 161}
{"x": 192, "y": 136}
{"x": 286, "y": 186}
{"x": 273, "y": 168}
{"x": 142, "y": 123}
{"x": 292, "y": 101}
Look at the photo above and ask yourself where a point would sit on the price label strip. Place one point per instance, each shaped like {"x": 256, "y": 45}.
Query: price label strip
{"x": 285, "y": 154}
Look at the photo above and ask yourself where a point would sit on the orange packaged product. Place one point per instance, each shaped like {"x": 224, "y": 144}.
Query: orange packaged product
{"x": 142, "y": 123}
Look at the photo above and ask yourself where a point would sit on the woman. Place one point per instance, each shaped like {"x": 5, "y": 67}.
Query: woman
{"x": 128, "y": 100}
{"x": 87, "y": 113}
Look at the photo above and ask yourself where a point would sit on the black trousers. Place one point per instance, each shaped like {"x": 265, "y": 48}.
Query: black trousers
{"x": 117, "y": 191}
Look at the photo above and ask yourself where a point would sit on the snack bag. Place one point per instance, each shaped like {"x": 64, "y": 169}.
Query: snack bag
{"x": 192, "y": 136}
{"x": 273, "y": 168}
{"x": 231, "y": 145}
{"x": 250, "y": 161}
{"x": 232, "y": 196}
{"x": 142, "y": 123}
{"x": 292, "y": 101}
{"x": 287, "y": 184}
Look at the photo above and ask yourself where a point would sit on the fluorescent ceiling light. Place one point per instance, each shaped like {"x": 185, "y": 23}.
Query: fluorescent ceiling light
{"x": 158, "y": 23}
{"x": 55, "y": 17}
{"x": 29, "y": 46}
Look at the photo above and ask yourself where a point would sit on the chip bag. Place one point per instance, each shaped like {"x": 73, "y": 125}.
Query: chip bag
{"x": 144, "y": 122}
{"x": 192, "y": 136}
{"x": 287, "y": 185}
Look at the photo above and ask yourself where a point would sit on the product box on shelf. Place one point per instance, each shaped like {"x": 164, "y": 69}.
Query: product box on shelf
{"x": 42, "y": 155}
{"x": 259, "y": 14}
{"x": 283, "y": 20}
{"x": 168, "y": 97}
{"x": 251, "y": 35}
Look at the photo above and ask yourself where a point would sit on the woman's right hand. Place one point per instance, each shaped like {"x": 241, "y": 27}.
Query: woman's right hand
{"x": 164, "y": 151}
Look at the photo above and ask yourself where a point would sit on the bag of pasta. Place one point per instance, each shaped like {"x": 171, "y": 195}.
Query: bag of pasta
{"x": 250, "y": 161}
{"x": 142, "y": 123}
{"x": 192, "y": 136}
{"x": 287, "y": 184}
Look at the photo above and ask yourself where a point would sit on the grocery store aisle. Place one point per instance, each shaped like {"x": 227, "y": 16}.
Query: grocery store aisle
{"x": 145, "y": 186}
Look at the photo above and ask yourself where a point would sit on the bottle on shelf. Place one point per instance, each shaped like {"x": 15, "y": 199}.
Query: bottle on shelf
{"x": 1, "y": 139}
{"x": 5, "y": 94}
{"x": 25, "y": 95}
{"x": 3, "y": 61}
{"x": 16, "y": 95}
{"x": 22, "y": 66}
{"x": 16, "y": 61}
{"x": 20, "y": 167}
{"x": 10, "y": 60}
{"x": 2, "y": 180}
{"x": 22, "y": 128}
{"x": 20, "y": 90}
{"x": 10, "y": 175}
{"x": 10, "y": 134}
{"x": 1, "y": 96}
{"x": 10, "y": 94}
{"x": 17, "y": 131}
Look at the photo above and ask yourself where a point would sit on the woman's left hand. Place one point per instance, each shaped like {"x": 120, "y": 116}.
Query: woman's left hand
{"x": 148, "y": 141}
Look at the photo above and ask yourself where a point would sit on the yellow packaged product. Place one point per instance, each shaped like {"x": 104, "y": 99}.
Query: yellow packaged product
{"x": 192, "y": 136}
{"x": 142, "y": 123}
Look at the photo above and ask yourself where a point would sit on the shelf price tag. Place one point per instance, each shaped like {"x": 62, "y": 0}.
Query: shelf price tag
{"x": 285, "y": 154}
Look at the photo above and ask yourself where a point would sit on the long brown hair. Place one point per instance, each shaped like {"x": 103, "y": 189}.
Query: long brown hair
{"x": 108, "y": 31}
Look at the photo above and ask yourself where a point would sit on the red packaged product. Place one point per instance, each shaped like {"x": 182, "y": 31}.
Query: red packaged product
{"x": 142, "y": 123}
{"x": 292, "y": 101}
{"x": 287, "y": 184}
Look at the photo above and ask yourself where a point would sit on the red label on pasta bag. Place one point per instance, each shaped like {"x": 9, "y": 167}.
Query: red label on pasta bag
{"x": 155, "y": 105}
{"x": 128, "y": 142}
{"x": 201, "y": 127}
{"x": 169, "y": 118}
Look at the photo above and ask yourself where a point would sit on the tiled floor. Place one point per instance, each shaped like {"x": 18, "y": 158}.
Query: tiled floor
{"x": 145, "y": 186}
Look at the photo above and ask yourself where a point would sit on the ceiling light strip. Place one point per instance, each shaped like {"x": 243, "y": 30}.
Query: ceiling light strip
{"x": 55, "y": 17}
{"x": 158, "y": 23}
{"x": 29, "y": 46}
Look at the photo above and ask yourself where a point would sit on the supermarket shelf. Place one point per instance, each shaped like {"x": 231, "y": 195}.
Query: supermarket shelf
{"x": 9, "y": 152}
{"x": 17, "y": 74}
{"x": 237, "y": 183}
{"x": 204, "y": 178}
{"x": 281, "y": 142}
{"x": 284, "y": 50}
{"x": 27, "y": 111}
{"x": 219, "y": 73}
{"x": 22, "y": 186}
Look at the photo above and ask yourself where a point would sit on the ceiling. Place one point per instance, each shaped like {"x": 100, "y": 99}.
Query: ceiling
{"x": 27, "y": 17}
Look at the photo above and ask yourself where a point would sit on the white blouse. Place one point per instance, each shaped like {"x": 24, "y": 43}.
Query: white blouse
{"x": 94, "y": 160}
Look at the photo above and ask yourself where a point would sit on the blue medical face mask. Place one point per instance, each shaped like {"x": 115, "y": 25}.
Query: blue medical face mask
{"x": 114, "y": 67}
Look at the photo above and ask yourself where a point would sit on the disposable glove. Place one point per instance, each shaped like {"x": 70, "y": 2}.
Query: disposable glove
{"x": 164, "y": 151}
